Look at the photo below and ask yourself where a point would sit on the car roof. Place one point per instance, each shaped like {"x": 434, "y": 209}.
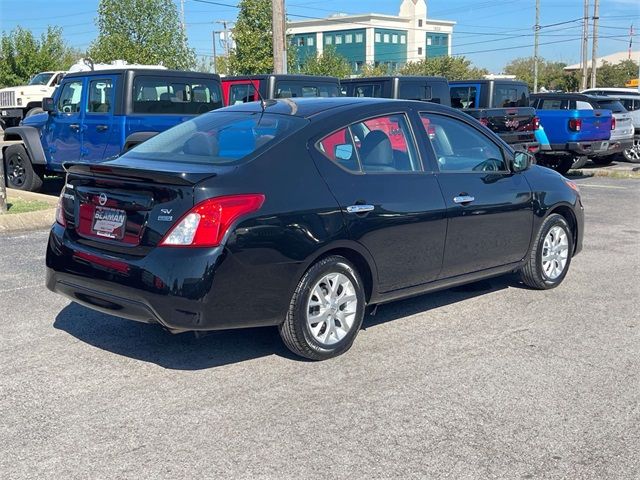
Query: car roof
{"x": 485, "y": 80}
{"x": 575, "y": 96}
{"x": 150, "y": 71}
{"x": 320, "y": 78}
{"x": 310, "y": 106}
{"x": 390, "y": 77}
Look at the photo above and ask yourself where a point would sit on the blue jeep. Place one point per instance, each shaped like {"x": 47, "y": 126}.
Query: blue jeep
{"x": 94, "y": 116}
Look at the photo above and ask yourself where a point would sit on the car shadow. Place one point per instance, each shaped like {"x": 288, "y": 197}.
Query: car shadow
{"x": 186, "y": 351}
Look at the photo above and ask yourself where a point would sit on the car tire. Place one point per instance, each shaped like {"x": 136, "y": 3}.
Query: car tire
{"x": 579, "y": 161}
{"x": 603, "y": 161}
{"x": 550, "y": 256}
{"x": 19, "y": 172}
{"x": 33, "y": 111}
{"x": 330, "y": 292}
{"x": 633, "y": 154}
{"x": 560, "y": 163}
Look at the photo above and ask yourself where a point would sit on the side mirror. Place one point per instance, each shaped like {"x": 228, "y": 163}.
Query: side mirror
{"x": 48, "y": 105}
{"x": 522, "y": 161}
{"x": 343, "y": 152}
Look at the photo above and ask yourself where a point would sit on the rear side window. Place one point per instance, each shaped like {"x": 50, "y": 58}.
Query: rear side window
{"x": 302, "y": 89}
{"x": 376, "y": 145}
{"x": 173, "y": 95}
{"x": 630, "y": 104}
{"x": 70, "y": 96}
{"x": 100, "y": 96}
{"x": 370, "y": 90}
{"x": 553, "y": 104}
{"x": 614, "y": 105}
{"x": 217, "y": 138}
{"x": 505, "y": 96}
{"x": 241, "y": 93}
{"x": 460, "y": 147}
{"x": 414, "y": 91}
{"x": 463, "y": 97}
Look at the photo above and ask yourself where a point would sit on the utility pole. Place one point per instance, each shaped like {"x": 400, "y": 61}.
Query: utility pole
{"x": 536, "y": 29}
{"x": 3, "y": 190}
{"x": 215, "y": 55}
{"x": 585, "y": 45}
{"x": 278, "y": 32}
{"x": 594, "y": 43}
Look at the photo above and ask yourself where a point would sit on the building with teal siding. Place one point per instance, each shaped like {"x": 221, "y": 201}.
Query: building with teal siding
{"x": 375, "y": 39}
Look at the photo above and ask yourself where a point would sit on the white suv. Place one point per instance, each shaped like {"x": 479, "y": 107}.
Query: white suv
{"x": 19, "y": 102}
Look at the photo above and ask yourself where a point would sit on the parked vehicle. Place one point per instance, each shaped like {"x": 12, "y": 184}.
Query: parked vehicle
{"x": 502, "y": 105}
{"x": 301, "y": 213}
{"x": 578, "y": 127}
{"x": 96, "y": 115}
{"x": 428, "y": 89}
{"x": 241, "y": 89}
{"x": 630, "y": 99}
{"x": 19, "y": 102}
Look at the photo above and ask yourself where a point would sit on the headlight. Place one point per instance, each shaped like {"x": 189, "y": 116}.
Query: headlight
{"x": 19, "y": 101}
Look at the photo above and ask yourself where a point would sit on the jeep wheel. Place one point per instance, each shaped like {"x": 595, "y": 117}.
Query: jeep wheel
{"x": 603, "y": 161}
{"x": 633, "y": 154}
{"x": 559, "y": 163}
{"x": 19, "y": 171}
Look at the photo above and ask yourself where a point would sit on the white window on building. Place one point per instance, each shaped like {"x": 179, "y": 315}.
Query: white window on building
{"x": 338, "y": 39}
{"x": 348, "y": 38}
{"x": 386, "y": 38}
{"x": 428, "y": 41}
{"x": 394, "y": 38}
{"x": 310, "y": 41}
{"x": 328, "y": 40}
{"x": 359, "y": 38}
{"x": 378, "y": 37}
{"x": 403, "y": 39}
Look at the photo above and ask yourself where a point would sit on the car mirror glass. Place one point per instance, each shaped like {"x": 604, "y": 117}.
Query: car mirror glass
{"x": 343, "y": 152}
{"x": 48, "y": 105}
{"x": 521, "y": 161}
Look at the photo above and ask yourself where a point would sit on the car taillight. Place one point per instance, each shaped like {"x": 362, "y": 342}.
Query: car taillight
{"x": 536, "y": 123}
{"x": 60, "y": 211}
{"x": 206, "y": 224}
{"x": 484, "y": 121}
{"x": 575, "y": 124}
{"x": 613, "y": 123}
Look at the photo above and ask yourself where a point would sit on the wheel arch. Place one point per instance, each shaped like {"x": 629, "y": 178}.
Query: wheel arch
{"x": 566, "y": 212}
{"x": 30, "y": 137}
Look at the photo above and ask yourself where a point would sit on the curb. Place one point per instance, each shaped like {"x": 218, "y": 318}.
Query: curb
{"x": 37, "y": 220}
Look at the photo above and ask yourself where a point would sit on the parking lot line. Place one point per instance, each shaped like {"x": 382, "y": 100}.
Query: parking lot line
{"x": 601, "y": 186}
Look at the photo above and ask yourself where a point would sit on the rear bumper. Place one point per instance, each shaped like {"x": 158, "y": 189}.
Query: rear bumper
{"x": 616, "y": 146}
{"x": 6, "y": 113}
{"x": 581, "y": 148}
{"x": 180, "y": 289}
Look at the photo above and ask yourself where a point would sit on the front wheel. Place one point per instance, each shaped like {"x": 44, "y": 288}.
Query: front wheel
{"x": 633, "y": 154}
{"x": 18, "y": 170}
{"x": 550, "y": 255}
{"x": 326, "y": 311}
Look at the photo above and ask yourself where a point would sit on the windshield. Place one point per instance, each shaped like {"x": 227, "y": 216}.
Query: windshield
{"x": 217, "y": 138}
{"x": 614, "y": 105}
{"x": 41, "y": 79}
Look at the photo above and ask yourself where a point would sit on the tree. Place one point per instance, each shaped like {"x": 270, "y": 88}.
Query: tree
{"x": 328, "y": 63}
{"x": 453, "y": 68}
{"x": 253, "y": 52}
{"x": 551, "y": 75}
{"x": 141, "y": 31}
{"x": 22, "y": 55}
{"x": 371, "y": 70}
{"x": 616, "y": 75}
{"x": 207, "y": 65}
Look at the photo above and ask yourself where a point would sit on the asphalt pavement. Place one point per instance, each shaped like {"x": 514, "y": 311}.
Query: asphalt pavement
{"x": 486, "y": 381}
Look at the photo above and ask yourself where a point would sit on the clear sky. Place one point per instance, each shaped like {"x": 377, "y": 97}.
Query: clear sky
{"x": 489, "y": 32}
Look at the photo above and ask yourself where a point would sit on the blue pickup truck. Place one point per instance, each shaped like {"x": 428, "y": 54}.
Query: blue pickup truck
{"x": 94, "y": 116}
{"x": 572, "y": 129}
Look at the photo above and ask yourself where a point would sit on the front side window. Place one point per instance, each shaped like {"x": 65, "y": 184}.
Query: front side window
{"x": 100, "y": 96}
{"x": 70, "y": 96}
{"x": 463, "y": 97}
{"x": 241, "y": 93}
{"x": 376, "y": 145}
{"x": 459, "y": 147}
{"x": 217, "y": 138}
{"x": 553, "y": 104}
{"x": 170, "y": 95}
{"x": 41, "y": 79}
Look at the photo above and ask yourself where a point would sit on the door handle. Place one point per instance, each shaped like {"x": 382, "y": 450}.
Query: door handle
{"x": 463, "y": 199}
{"x": 102, "y": 128}
{"x": 360, "y": 208}
{"x": 75, "y": 127}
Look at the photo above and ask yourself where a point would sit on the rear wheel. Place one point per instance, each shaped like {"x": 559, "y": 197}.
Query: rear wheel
{"x": 579, "y": 161}
{"x": 559, "y": 163}
{"x": 326, "y": 311}
{"x": 550, "y": 255}
{"x": 633, "y": 154}
{"x": 18, "y": 170}
{"x": 603, "y": 161}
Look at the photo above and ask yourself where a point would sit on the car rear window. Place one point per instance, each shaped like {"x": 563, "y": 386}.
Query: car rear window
{"x": 506, "y": 96}
{"x": 175, "y": 95}
{"x": 614, "y": 105}
{"x": 217, "y": 138}
{"x": 292, "y": 89}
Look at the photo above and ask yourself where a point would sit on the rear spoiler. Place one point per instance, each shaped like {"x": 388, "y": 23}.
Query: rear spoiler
{"x": 136, "y": 174}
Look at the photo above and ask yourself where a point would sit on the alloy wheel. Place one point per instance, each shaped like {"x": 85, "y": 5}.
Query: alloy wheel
{"x": 555, "y": 252}
{"x": 16, "y": 172}
{"x": 633, "y": 154}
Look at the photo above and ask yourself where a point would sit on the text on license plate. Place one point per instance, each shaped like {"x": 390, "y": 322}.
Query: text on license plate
{"x": 109, "y": 222}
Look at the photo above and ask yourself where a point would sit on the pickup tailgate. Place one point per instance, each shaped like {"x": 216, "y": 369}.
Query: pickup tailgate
{"x": 595, "y": 125}
{"x": 513, "y": 125}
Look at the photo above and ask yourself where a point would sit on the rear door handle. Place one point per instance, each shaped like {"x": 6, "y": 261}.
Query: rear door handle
{"x": 463, "y": 199}
{"x": 75, "y": 127}
{"x": 360, "y": 208}
{"x": 102, "y": 128}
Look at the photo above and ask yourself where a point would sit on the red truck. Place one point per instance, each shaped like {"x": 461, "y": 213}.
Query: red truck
{"x": 241, "y": 89}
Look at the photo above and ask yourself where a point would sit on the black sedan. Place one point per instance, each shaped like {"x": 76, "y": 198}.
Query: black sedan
{"x": 304, "y": 214}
